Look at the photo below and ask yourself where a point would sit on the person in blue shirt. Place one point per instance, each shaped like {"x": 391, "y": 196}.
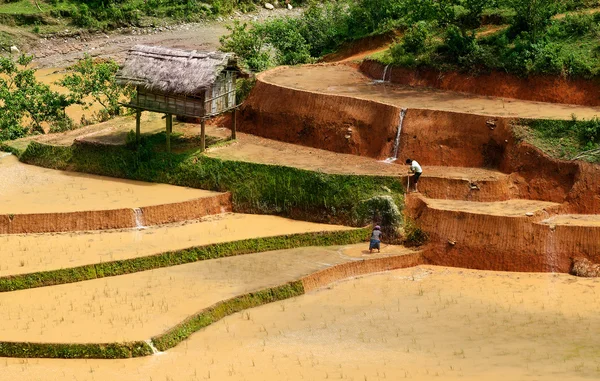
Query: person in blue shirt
{"x": 375, "y": 242}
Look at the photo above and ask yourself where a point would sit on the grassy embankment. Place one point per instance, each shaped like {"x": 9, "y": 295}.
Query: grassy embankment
{"x": 179, "y": 257}
{"x": 162, "y": 342}
{"x": 255, "y": 188}
{"x": 563, "y": 139}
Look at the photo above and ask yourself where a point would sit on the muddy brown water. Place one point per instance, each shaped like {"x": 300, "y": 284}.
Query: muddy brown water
{"x": 43, "y": 252}
{"x": 424, "y": 323}
{"x": 345, "y": 80}
{"x": 140, "y": 305}
{"x": 30, "y": 189}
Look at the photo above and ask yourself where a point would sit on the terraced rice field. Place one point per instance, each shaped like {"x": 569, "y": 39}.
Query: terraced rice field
{"x": 28, "y": 253}
{"x": 29, "y": 189}
{"x": 424, "y": 323}
{"x": 140, "y": 305}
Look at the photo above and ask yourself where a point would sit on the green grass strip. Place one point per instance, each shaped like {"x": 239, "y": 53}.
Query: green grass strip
{"x": 222, "y": 309}
{"x": 173, "y": 258}
{"x": 75, "y": 351}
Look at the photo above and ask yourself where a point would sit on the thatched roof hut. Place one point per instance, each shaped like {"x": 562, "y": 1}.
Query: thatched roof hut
{"x": 174, "y": 71}
{"x": 180, "y": 82}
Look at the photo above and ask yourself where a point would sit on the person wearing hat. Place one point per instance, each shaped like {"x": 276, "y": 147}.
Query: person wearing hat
{"x": 375, "y": 242}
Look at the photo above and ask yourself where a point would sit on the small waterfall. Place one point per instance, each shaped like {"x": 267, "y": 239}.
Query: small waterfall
{"x": 382, "y": 80}
{"x": 139, "y": 218}
{"x": 151, "y": 345}
{"x": 394, "y": 156}
{"x": 385, "y": 72}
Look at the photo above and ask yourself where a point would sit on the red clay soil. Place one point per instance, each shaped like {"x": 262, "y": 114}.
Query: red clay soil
{"x": 502, "y": 243}
{"x": 552, "y": 89}
{"x": 114, "y": 219}
{"x": 357, "y": 268}
{"x": 335, "y": 123}
{"x": 341, "y": 123}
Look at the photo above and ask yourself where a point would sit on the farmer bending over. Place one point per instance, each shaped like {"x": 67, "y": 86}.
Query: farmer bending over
{"x": 416, "y": 169}
{"x": 375, "y": 242}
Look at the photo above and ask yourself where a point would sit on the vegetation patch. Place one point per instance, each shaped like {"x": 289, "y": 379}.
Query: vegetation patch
{"x": 225, "y": 308}
{"x": 174, "y": 258}
{"x": 75, "y": 351}
{"x": 563, "y": 139}
{"x": 255, "y": 188}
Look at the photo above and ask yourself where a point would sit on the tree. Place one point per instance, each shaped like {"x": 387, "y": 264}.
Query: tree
{"x": 95, "y": 82}
{"x": 533, "y": 16}
{"x": 26, "y": 105}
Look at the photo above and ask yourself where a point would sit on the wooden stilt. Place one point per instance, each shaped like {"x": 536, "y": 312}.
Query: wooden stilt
{"x": 233, "y": 124}
{"x": 202, "y": 135}
{"x": 138, "y": 117}
{"x": 169, "y": 129}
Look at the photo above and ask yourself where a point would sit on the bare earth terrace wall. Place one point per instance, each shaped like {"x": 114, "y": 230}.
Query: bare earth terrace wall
{"x": 335, "y": 123}
{"x": 552, "y": 89}
{"x": 502, "y": 243}
{"x": 454, "y": 139}
{"x": 114, "y": 219}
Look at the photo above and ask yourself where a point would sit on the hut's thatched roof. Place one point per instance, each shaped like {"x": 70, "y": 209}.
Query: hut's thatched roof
{"x": 173, "y": 71}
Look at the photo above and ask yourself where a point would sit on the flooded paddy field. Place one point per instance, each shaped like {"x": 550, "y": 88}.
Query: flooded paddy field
{"x": 423, "y": 323}
{"x": 29, "y": 189}
{"x": 43, "y": 252}
{"x": 140, "y": 305}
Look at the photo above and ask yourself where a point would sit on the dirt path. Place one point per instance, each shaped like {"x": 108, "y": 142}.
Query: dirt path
{"x": 347, "y": 81}
{"x": 64, "y": 51}
{"x": 30, "y": 189}
{"x": 424, "y": 323}
{"x": 138, "y": 306}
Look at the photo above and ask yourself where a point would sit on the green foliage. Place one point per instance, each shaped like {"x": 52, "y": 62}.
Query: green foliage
{"x": 27, "y": 106}
{"x": 193, "y": 254}
{"x": 256, "y": 188}
{"x": 415, "y": 38}
{"x": 383, "y": 211}
{"x": 413, "y": 235}
{"x": 72, "y": 351}
{"x": 92, "y": 82}
{"x": 284, "y": 35}
{"x": 534, "y": 44}
{"x": 243, "y": 88}
{"x": 533, "y": 16}
{"x": 225, "y": 308}
{"x": 459, "y": 43}
{"x": 248, "y": 42}
{"x": 587, "y": 132}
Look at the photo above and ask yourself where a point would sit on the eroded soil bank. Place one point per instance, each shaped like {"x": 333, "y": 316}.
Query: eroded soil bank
{"x": 424, "y": 323}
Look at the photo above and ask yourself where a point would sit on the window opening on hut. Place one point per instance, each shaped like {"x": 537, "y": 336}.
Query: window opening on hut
{"x": 184, "y": 83}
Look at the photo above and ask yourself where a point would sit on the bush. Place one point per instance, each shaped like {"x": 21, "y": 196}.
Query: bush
{"x": 249, "y": 44}
{"x": 459, "y": 43}
{"x": 416, "y": 37}
{"x": 381, "y": 210}
{"x": 284, "y": 35}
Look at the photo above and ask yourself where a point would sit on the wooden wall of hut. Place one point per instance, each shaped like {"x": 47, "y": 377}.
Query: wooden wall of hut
{"x": 190, "y": 106}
